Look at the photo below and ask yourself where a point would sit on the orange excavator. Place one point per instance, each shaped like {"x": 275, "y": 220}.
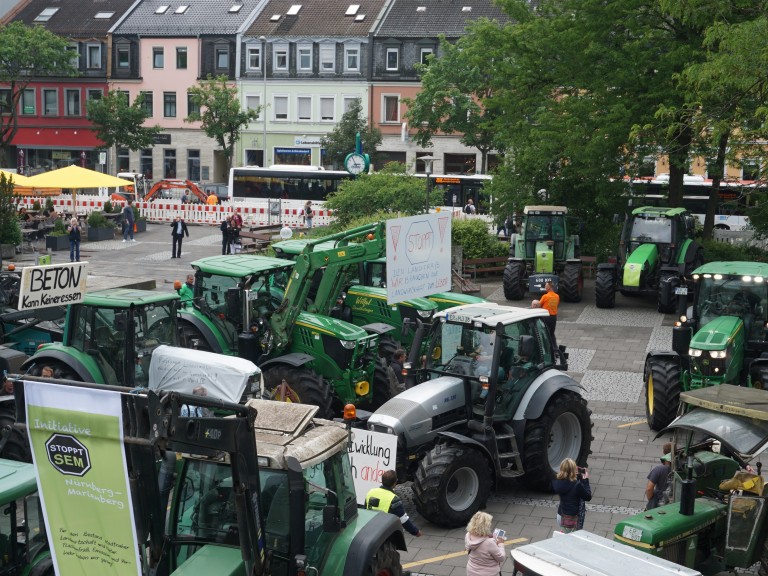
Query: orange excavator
{"x": 176, "y": 189}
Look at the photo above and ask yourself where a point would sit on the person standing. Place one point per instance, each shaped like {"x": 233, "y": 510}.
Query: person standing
{"x": 572, "y": 485}
{"x": 308, "y": 214}
{"x": 550, "y": 302}
{"x": 128, "y": 221}
{"x": 658, "y": 478}
{"x": 384, "y": 499}
{"x": 178, "y": 231}
{"x": 225, "y": 227}
{"x": 237, "y": 224}
{"x": 74, "y": 240}
{"x": 212, "y": 199}
{"x": 486, "y": 549}
{"x": 187, "y": 291}
{"x": 398, "y": 359}
{"x": 469, "y": 208}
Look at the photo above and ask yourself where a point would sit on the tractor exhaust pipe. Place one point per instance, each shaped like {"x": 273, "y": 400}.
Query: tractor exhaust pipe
{"x": 688, "y": 491}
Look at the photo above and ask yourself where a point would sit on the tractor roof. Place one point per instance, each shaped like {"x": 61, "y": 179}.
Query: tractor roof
{"x": 296, "y": 246}
{"x": 549, "y": 209}
{"x": 17, "y": 480}
{"x": 127, "y": 297}
{"x": 659, "y": 211}
{"x": 239, "y": 265}
{"x": 737, "y": 400}
{"x": 753, "y": 269}
{"x": 490, "y": 314}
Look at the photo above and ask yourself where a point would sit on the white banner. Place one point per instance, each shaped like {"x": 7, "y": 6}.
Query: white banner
{"x": 371, "y": 454}
{"x": 418, "y": 256}
{"x": 53, "y": 285}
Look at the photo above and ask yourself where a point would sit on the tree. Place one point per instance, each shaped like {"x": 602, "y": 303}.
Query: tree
{"x": 118, "y": 123}
{"x": 219, "y": 113}
{"x": 342, "y": 140}
{"x": 26, "y": 54}
{"x": 388, "y": 190}
{"x": 10, "y": 232}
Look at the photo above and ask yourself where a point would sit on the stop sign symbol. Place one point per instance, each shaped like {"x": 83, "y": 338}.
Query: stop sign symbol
{"x": 420, "y": 241}
{"x": 68, "y": 455}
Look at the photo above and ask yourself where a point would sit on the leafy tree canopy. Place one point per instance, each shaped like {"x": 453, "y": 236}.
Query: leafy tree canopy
{"x": 119, "y": 123}
{"x": 341, "y": 141}
{"x": 10, "y": 231}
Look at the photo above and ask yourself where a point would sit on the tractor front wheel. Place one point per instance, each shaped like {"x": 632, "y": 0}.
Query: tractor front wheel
{"x": 662, "y": 391}
{"x": 386, "y": 562}
{"x": 298, "y": 385}
{"x": 513, "y": 281}
{"x": 666, "y": 298}
{"x": 563, "y": 430}
{"x": 605, "y": 295}
{"x": 759, "y": 377}
{"x": 451, "y": 484}
{"x": 382, "y": 387}
{"x": 572, "y": 282}
{"x": 387, "y": 347}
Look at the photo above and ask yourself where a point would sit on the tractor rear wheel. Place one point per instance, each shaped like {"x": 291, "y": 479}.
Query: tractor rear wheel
{"x": 759, "y": 377}
{"x": 514, "y": 286}
{"x": 386, "y": 562}
{"x": 572, "y": 282}
{"x": 605, "y": 295}
{"x": 382, "y": 387}
{"x": 563, "y": 430}
{"x": 666, "y": 304}
{"x": 451, "y": 484}
{"x": 662, "y": 391}
{"x": 387, "y": 347}
{"x": 302, "y": 386}
{"x": 14, "y": 444}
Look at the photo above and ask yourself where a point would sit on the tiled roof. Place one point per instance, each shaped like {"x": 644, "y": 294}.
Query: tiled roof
{"x": 171, "y": 18}
{"x": 426, "y": 18}
{"x": 72, "y": 17}
{"x": 317, "y": 18}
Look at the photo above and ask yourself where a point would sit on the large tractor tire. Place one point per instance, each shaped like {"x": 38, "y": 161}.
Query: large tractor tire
{"x": 303, "y": 387}
{"x": 666, "y": 305}
{"x": 386, "y": 562}
{"x": 191, "y": 337}
{"x": 571, "y": 284}
{"x": 662, "y": 391}
{"x": 382, "y": 387}
{"x": 605, "y": 295}
{"x": 14, "y": 444}
{"x": 564, "y": 430}
{"x": 387, "y": 347}
{"x": 759, "y": 377}
{"x": 451, "y": 484}
{"x": 514, "y": 281}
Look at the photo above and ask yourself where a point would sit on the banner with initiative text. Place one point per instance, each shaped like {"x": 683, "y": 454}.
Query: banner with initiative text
{"x": 76, "y": 436}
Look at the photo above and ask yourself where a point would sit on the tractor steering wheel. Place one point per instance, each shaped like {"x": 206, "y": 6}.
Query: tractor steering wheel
{"x": 712, "y": 306}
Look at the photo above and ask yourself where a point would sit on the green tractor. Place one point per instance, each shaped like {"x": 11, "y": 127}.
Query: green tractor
{"x": 720, "y": 340}
{"x": 109, "y": 338}
{"x": 544, "y": 252}
{"x": 720, "y": 430}
{"x": 255, "y": 307}
{"x": 657, "y": 253}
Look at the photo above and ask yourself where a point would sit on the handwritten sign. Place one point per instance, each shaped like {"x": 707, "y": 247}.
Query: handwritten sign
{"x": 371, "y": 454}
{"x": 53, "y": 285}
{"x": 418, "y": 256}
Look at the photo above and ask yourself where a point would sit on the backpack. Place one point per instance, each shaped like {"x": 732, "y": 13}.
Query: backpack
{"x": 467, "y": 209}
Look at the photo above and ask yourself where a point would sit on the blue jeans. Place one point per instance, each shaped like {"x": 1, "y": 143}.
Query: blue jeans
{"x": 127, "y": 229}
{"x": 74, "y": 250}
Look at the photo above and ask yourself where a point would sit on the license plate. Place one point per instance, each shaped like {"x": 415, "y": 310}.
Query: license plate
{"x": 681, "y": 290}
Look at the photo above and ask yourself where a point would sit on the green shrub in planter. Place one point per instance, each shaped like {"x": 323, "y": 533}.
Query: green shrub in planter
{"x": 49, "y": 204}
{"x": 108, "y": 207}
{"x": 98, "y": 220}
{"x": 58, "y": 238}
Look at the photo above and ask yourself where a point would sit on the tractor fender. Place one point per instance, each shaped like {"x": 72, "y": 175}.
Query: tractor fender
{"x": 457, "y": 438}
{"x": 66, "y": 359}
{"x": 691, "y": 248}
{"x": 45, "y": 566}
{"x": 204, "y": 329}
{"x": 295, "y": 359}
{"x": 668, "y": 354}
{"x": 379, "y": 529}
{"x": 378, "y": 328}
{"x": 541, "y": 391}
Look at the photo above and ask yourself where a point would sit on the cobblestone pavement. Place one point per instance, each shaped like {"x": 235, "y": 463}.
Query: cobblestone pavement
{"x": 607, "y": 352}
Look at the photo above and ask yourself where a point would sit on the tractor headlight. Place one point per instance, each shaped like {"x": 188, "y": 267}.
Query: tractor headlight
{"x": 695, "y": 353}
{"x": 717, "y": 353}
{"x": 683, "y": 319}
{"x": 348, "y": 344}
{"x": 425, "y": 313}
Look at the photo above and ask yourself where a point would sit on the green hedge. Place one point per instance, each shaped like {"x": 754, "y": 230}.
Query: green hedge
{"x": 725, "y": 252}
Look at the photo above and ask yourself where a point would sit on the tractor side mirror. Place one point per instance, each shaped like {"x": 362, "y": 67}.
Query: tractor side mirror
{"x": 526, "y": 347}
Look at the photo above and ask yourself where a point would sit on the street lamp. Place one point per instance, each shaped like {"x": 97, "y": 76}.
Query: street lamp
{"x": 428, "y": 171}
{"x": 263, "y": 40}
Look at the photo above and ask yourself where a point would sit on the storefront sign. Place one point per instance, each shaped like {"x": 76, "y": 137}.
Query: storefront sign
{"x": 313, "y": 141}
{"x": 161, "y": 138}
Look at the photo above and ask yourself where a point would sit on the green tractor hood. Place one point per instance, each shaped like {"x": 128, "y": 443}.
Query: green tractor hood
{"x": 636, "y": 261}
{"x": 717, "y": 334}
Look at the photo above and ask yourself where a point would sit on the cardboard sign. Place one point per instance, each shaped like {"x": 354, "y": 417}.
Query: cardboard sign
{"x": 55, "y": 285}
{"x": 371, "y": 454}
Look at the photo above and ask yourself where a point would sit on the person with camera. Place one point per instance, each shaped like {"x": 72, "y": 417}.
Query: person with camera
{"x": 572, "y": 485}
{"x": 485, "y": 548}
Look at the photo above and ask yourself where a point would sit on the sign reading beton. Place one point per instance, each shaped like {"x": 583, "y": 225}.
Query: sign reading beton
{"x": 53, "y": 285}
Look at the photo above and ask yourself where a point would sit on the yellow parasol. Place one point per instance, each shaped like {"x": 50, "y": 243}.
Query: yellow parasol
{"x": 23, "y": 187}
{"x": 76, "y": 177}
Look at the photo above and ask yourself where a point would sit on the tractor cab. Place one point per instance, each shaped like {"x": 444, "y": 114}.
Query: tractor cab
{"x": 544, "y": 235}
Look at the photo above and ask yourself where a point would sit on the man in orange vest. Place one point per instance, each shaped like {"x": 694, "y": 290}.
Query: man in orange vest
{"x": 550, "y": 301}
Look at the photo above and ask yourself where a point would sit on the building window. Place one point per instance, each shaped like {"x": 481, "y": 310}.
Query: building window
{"x": 193, "y": 165}
{"x": 351, "y": 58}
{"x": 169, "y": 163}
{"x": 5, "y": 100}
{"x": 73, "y": 102}
{"x": 123, "y": 160}
{"x": 253, "y": 103}
{"x": 50, "y": 102}
{"x": 304, "y": 108}
{"x": 145, "y": 162}
{"x": 391, "y": 109}
{"x": 327, "y": 108}
{"x": 281, "y": 57}
{"x": 147, "y": 103}
{"x": 425, "y": 54}
{"x": 281, "y": 107}
{"x": 750, "y": 170}
{"x": 254, "y": 58}
{"x": 93, "y": 52}
{"x": 94, "y": 94}
{"x": 348, "y": 101}
{"x": 328, "y": 58}
{"x": 169, "y": 104}
{"x": 28, "y": 102}
{"x": 181, "y": 58}
{"x": 222, "y": 58}
{"x": 123, "y": 58}
{"x": 305, "y": 58}
{"x": 158, "y": 58}
{"x": 74, "y": 52}
{"x": 46, "y": 14}
{"x": 192, "y": 106}
{"x": 393, "y": 58}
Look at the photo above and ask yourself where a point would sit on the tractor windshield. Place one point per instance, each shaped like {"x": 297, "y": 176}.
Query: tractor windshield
{"x": 732, "y": 296}
{"x": 464, "y": 350}
{"x": 545, "y": 227}
{"x": 648, "y": 228}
